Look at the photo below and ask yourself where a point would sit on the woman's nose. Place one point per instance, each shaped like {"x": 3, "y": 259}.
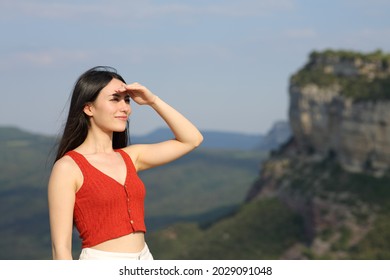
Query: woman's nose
{"x": 125, "y": 107}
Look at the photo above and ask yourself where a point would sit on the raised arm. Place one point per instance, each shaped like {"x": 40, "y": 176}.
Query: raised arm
{"x": 187, "y": 136}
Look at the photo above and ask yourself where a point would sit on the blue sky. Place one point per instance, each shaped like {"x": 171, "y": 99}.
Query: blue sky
{"x": 223, "y": 64}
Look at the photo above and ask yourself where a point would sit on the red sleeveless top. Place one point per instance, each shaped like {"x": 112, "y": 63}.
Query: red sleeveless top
{"x": 105, "y": 209}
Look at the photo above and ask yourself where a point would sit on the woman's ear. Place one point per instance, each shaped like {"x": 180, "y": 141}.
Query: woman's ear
{"x": 88, "y": 110}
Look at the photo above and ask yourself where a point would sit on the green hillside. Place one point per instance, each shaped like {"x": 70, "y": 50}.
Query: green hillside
{"x": 207, "y": 182}
{"x": 24, "y": 165}
{"x": 266, "y": 228}
{"x": 258, "y": 230}
{"x": 200, "y": 187}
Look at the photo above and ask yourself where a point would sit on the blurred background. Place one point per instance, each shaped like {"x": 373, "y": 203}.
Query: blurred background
{"x": 228, "y": 67}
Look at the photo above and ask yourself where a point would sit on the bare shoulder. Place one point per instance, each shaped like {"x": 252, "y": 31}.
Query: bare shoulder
{"x": 65, "y": 164}
{"x": 134, "y": 151}
{"x": 66, "y": 172}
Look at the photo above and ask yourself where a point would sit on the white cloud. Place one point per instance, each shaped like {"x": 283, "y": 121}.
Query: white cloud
{"x": 135, "y": 54}
{"x": 225, "y": 9}
{"x": 121, "y": 9}
{"x": 43, "y": 58}
{"x": 48, "y": 10}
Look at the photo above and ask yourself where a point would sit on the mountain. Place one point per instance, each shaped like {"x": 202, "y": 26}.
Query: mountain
{"x": 324, "y": 194}
{"x": 339, "y": 106}
{"x": 212, "y": 139}
{"x": 279, "y": 133}
{"x": 24, "y": 165}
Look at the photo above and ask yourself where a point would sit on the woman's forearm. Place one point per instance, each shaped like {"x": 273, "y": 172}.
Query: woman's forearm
{"x": 183, "y": 130}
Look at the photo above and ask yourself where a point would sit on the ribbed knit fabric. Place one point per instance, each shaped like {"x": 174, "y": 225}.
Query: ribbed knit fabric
{"x": 105, "y": 209}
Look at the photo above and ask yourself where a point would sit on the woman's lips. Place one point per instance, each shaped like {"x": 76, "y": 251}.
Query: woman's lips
{"x": 123, "y": 118}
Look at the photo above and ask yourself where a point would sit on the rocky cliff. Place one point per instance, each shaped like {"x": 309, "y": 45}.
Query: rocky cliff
{"x": 340, "y": 119}
{"x": 340, "y": 106}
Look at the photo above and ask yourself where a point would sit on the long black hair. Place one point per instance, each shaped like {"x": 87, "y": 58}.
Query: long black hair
{"x": 86, "y": 90}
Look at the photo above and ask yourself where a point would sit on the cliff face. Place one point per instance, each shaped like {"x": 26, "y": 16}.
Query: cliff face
{"x": 340, "y": 119}
{"x": 331, "y": 118}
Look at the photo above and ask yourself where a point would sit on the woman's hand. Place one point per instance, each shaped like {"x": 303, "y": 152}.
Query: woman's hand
{"x": 139, "y": 93}
{"x": 186, "y": 136}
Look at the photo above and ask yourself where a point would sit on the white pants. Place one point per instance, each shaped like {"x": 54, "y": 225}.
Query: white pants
{"x": 93, "y": 254}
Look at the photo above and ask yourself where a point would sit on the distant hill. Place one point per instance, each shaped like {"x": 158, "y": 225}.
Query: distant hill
{"x": 279, "y": 133}
{"x": 24, "y": 170}
{"x": 212, "y": 139}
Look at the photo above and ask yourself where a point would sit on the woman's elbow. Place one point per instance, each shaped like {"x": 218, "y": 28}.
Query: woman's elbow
{"x": 198, "y": 140}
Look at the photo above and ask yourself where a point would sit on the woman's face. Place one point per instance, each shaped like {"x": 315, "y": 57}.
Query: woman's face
{"x": 110, "y": 111}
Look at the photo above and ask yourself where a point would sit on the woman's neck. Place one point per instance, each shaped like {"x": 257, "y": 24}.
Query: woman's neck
{"x": 97, "y": 142}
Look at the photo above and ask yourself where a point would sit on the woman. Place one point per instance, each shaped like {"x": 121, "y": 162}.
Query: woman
{"x": 94, "y": 182}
